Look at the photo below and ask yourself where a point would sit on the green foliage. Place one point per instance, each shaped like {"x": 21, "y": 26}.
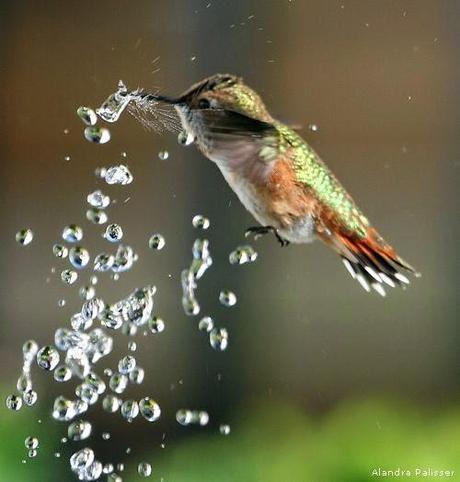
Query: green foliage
{"x": 278, "y": 443}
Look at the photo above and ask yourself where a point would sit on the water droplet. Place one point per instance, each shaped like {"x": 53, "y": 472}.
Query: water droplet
{"x": 48, "y": 358}
{"x": 111, "y": 403}
{"x": 13, "y": 402}
{"x": 163, "y": 155}
{"x": 126, "y": 364}
{"x": 186, "y": 417}
{"x": 82, "y": 459}
{"x": 156, "y": 325}
{"x": 62, "y": 373}
{"x": 118, "y": 382}
{"x": 61, "y": 303}
{"x": 30, "y": 349}
{"x": 67, "y": 158}
{"x": 118, "y": 175}
{"x": 95, "y": 381}
{"x": 115, "y": 104}
{"x": 114, "y": 478}
{"x": 130, "y": 410}
{"x": 184, "y": 138}
{"x": 144, "y": 469}
{"x": 24, "y": 383}
{"x": 79, "y": 430}
{"x": 96, "y": 216}
{"x": 150, "y": 409}
{"x": 200, "y": 222}
{"x": 60, "y": 251}
{"x": 206, "y": 324}
{"x": 32, "y": 453}
{"x": 224, "y": 429}
{"x": 132, "y": 345}
{"x": 218, "y": 339}
{"x": 64, "y": 410}
{"x": 30, "y": 397}
{"x": 69, "y": 276}
{"x": 24, "y": 236}
{"x": 227, "y": 298}
{"x": 157, "y": 242}
{"x": 113, "y": 233}
{"x": 72, "y": 233}
{"x": 98, "y": 200}
{"x": 242, "y": 255}
{"x": 103, "y": 262}
{"x": 87, "y": 115}
{"x": 136, "y": 376}
{"x": 98, "y": 135}
{"x": 313, "y": 127}
{"x": 105, "y": 436}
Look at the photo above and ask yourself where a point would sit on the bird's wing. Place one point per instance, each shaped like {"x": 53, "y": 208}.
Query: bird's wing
{"x": 238, "y": 138}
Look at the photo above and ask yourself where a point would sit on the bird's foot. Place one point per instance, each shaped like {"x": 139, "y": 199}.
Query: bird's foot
{"x": 258, "y": 231}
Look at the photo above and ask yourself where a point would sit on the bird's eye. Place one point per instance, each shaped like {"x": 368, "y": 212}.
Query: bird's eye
{"x": 204, "y": 104}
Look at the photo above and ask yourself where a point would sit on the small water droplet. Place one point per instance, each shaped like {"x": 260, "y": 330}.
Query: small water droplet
{"x": 156, "y": 325}
{"x": 313, "y": 127}
{"x": 48, "y": 357}
{"x": 103, "y": 262}
{"x": 111, "y": 403}
{"x": 150, "y": 409}
{"x": 96, "y": 216}
{"x": 206, "y": 324}
{"x": 136, "y": 376}
{"x": 157, "y": 242}
{"x": 126, "y": 364}
{"x": 98, "y": 135}
{"x": 227, "y": 298}
{"x": 218, "y": 339}
{"x": 62, "y": 373}
{"x": 79, "y": 430}
{"x": 97, "y": 199}
{"x": 200, "y": 222}
{"x": 105, "y": 436}
{"x": 30, "y": 397}
{"x": 163, "y": 155}
{"x": 72, "y": 233}
{"x": 87, "y": 115}
{"x": 144, "y": 469}
{"x": 130, "y": 410}
{"x": 118, "y": 382}
{"x": 224, "y": 429}
{"x": 24, "y": 236}
{"x": 69, "y": 276}
{"x": 242, "y": 255}
{"x": 113, "y": 233}
{"x": 13, "y": 402}
{"x": 185, "y": 138}
{"x": 118, "y": 175}
{"x": 60, "y": 251}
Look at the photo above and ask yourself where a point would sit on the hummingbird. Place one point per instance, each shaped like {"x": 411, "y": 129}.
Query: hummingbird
{"x": 281, "y": 180}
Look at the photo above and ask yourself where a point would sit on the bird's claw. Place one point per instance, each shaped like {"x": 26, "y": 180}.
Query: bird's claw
{"x": 258, "y": 231}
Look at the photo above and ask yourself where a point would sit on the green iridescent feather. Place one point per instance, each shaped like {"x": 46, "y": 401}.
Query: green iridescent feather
{"x": 311, "y": 171}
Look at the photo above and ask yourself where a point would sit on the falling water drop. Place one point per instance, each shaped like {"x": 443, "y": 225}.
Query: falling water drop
{"x": 98, "y": 135}
{"x": 24, "y": 236}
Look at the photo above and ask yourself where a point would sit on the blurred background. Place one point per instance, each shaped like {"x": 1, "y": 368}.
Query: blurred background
{"x": 321, "y": 381}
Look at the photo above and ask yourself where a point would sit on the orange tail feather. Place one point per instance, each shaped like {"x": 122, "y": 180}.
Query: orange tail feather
{"x": 370, "y": 260}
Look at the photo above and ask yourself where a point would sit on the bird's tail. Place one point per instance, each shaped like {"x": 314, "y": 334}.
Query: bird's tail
{"x": 371, "y": 261}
